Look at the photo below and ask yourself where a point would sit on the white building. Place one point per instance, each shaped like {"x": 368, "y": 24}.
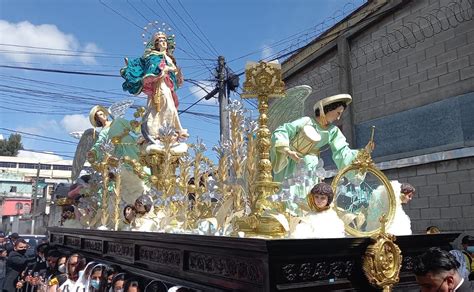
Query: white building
{"x": 50, "y": 172}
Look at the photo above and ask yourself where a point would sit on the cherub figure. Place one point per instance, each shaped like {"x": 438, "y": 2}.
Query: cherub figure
{"x": 145, "y": 218}
{"x": 322, "y": 221}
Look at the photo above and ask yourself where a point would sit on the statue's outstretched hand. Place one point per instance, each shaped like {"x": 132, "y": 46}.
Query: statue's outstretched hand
{"x": 293, "y": 155}
{"x": 370, "y": 146}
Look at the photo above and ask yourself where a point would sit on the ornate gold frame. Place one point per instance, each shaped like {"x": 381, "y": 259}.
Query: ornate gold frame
{"x": 364, "y": 163}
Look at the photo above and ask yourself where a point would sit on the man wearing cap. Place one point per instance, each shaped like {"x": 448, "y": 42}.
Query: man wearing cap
{"x": 285, "y": 155}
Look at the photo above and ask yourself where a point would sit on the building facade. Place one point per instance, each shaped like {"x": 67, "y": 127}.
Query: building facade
{"x": 26, "y": 185}
{"x": 409, "y": 66}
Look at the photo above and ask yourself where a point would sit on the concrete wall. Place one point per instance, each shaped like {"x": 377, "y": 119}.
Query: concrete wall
{"x": 445, "y": 194}
{"x": 419, "y": 92}
{"x": 434, "y": 68}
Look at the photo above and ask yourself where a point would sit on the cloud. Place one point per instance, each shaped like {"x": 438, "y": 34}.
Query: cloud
{"x": 1, "y": 137}
{"x": 25, "y": 35}
{"x": 48, "y": 127}
{"x": 267, "y": 52}
{"x": 39, "y": 156}
{"x": 200, "y": 91}
{"x": 75, "y": 123}
{"x": 90, "y": 49}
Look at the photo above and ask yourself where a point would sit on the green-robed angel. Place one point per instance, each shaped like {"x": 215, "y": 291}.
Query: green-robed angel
{"x": 301, "y": 140}
{"x": 119, "y": 132}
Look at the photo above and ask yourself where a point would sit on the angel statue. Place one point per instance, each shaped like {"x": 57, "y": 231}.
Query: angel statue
{"x": 157, "y": 75}
{"x": 119, "y": 132}
{"x": 299, "y": 142}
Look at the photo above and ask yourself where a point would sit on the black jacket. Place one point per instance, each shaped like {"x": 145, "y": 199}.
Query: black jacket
{"x": 16, "y": 263}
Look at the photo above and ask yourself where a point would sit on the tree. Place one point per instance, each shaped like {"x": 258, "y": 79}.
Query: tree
{"x": 11, "y": 146}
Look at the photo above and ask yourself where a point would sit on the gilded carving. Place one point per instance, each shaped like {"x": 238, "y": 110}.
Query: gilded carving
{"x": 314, "y": 271}
{"x": 234, "y": 268}
{"x": 72, "y": 241}
{"x": 93, "y": 245}
{"x": 382, "y": 260}
{"x": 126, "y": 250}
{"x": 162, "y": 256}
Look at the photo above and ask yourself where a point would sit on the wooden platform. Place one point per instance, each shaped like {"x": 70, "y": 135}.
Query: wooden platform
{"x": 211, "y": 263}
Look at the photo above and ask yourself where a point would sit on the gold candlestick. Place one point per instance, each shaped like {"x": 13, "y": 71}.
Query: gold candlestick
{"x": 263, "y": 80}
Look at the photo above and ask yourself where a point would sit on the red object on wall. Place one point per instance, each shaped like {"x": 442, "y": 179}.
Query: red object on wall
{"x": 15, "y": 206}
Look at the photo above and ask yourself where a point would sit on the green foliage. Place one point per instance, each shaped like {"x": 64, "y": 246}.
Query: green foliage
{"x": 11, "y": 146}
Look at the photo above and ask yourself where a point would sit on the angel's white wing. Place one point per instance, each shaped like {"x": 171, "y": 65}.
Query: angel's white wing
{"x": 85, "y": 144}
{"x": 289, "y": 107}
{"x": 117, "y": 110}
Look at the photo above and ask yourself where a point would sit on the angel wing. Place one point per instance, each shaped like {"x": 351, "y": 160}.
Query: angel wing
{"x": 288, "y": 108}
{"x": 85, "y": 144}
{"x": 118, "y": 109}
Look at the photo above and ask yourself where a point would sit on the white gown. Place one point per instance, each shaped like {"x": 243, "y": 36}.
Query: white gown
{"x": 401, "y": 223}
{"x": 324, "y": 224}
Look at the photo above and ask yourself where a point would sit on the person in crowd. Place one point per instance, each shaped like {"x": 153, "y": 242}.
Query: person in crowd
{"x": 59, "y": 276}
{"x": 437, "y": 270}
{"x": 110, "y": 272}
{"x": 3, "y": 261}
{"x": 16, "y": 263}
{"x": 75, "y": 263}
{"x": 432, "y": 230}
{"x": 10, "y": 243}
{"x": 323, "y": 221}
{"x": 468, "y": 250}
{"x": 2, "y": 240}
{"x": 97, "y": 281}
{"x": 463, "y": 269}
{"x": 118, "y": 282}
{"x": 132, "y": 285}
{"x": 52, "y": 257}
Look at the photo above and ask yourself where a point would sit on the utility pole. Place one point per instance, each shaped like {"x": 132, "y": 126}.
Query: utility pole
{"x": 223, "y": 99}
{"x": 34, "y": 199}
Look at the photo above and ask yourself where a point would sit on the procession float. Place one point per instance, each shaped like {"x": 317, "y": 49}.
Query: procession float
{"x": 261, "y": 218}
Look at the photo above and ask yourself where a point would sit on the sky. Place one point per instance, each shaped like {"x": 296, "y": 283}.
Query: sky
{"x": 60, "y": 50}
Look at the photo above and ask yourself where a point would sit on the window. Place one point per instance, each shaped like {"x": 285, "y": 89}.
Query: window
{"x": 8, "y": 164}
{"x": 62, "y": 167}
{"x": 28, "y": 165}
{"x": 45, "y": 166}
{"x": 12, "y": 189}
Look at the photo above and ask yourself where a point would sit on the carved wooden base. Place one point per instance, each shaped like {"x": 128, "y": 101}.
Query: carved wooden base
{"x": 211, "y": 263}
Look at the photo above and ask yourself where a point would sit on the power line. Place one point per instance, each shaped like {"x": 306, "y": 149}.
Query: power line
{"x": 59, "y": 71}
{"x": 190, "y": 28}
{"x": 119, "y": 14}
{"x": 40, "y": 136}
{"x": 192, "y": 19}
